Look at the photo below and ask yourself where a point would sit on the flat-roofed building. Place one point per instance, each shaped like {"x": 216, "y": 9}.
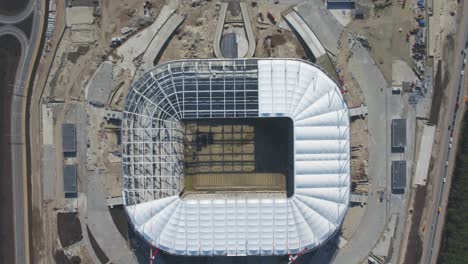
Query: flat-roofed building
{"x": 398, "y": 135}
{"x": 341, "y": 4}
{"x": 69, "y": 181}
{"x": 68, "y": 138}
{"x": 398, "y": 176}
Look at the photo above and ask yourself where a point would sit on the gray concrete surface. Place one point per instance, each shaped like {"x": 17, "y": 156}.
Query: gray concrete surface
{"x": 371, "y": 81}
{"x": 248, "y": 29}
{"x": 219, "y": 30}
{"x": 100, "y": 85}
{"x": 159, "y": 40}
{"x": 48, "y": 172}
{"x": 309, "y": 38}
{"x": 76, "y": 114}
{"x": 383, "y": 246}
{"x": 358, "y": 111}
{"x": 322, "y": 23}
{"x": 138, "y": 44}
{"x": 424, "y": 157}
{"x": 398, "y": 107}
{"x": 101, "y": 225}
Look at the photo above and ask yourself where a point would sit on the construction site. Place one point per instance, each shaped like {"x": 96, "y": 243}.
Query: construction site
{"x": 178, "y": 108}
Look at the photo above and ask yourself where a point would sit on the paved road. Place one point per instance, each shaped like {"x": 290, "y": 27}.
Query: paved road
{"x": 431, "y": 240}
{"x": 20, "y": 213}
{"x": 370, "y": 79}
{"x": 16, "y": 139}
{"x": 19, "y": 17}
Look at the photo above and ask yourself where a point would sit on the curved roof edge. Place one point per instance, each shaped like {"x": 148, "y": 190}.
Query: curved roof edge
{"x": 284, "y": 88}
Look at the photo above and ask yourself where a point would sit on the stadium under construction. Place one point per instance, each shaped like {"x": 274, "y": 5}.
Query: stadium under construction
{"x": 236, "y": 157}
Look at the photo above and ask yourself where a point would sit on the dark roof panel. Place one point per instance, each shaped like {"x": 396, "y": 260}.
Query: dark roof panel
{"x": 69, "y": 179}
{"x": 398, "y": 133}
{"x": 68, "y": 137}
{"x": 398, "y": 175}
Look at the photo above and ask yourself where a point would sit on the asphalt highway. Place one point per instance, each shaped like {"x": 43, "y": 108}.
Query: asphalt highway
{"x": 19, "y": 17}
{"x": 449, "y": 127}
{"x": 18, "y": 102}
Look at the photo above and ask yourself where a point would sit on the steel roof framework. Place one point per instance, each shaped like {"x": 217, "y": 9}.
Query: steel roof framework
{"x": 153, "y": 169}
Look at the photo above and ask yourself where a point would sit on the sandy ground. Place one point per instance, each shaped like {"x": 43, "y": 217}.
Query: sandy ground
{"x": 64, "y": 75}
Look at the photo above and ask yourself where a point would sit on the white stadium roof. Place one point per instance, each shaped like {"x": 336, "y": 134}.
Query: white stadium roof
{"x": 243, "y": 223}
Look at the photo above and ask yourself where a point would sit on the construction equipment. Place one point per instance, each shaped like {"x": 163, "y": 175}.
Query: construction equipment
{"x": 271, "y": 17}
{"x": 260, "y": 15}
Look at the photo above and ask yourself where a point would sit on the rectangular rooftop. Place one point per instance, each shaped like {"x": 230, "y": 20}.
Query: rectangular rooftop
{"x": 398, "y": 135}
{"x": 68, "y": 138}
{"x": 398, "y": 176}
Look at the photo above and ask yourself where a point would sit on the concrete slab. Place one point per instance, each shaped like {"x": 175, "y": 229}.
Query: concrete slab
{"x": 358, "y": 111}
{"x": 47, "y": 125}
{"x": 219, "y": 30}
{"x": 79, "y": 15}
{"x": 248, "y": 29}
{"x": 48, "y": 172}
{"x": 101, "y": 225}
{"x": 383, "y": 246}
{"x": 358, "y": 198}
{"x": 401, "y": 72}
{"x": 424, "y": 157}
{"x": 371, "y": 81}
{"x": 343, "y": 16}
{"x": 137, "y": 44}
{"x": 306, "y": 34}
{"x": 100, "y": 85}
{"x": 322, "y": 23}
{"x": 114, "y": 201}
{"x": 161, "y": 37}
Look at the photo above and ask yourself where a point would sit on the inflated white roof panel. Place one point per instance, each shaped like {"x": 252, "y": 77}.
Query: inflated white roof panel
{"x": 243, "y": 223}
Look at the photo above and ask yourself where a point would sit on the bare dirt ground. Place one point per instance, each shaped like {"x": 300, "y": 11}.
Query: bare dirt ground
{"x": 69, "y": 228}
{"x": 414, "y": 240}
{"x": 283, "y": 42}
{"x": 63, "y": 73}
{"x": 195, "y": 37}
{"x": 385, "y": 29}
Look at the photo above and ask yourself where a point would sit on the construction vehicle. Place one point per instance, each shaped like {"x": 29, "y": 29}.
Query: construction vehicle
{"x": 260, "y": 15}
{"x": 117, "y": 41}
{"x": 271, "y": 17}
{"x": 148, "y": 4}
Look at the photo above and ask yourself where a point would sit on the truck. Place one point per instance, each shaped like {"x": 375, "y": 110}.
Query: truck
{"x": 271, "y": 17}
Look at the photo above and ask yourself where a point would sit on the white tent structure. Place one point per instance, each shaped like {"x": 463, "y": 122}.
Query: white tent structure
{"x": 243, "y": 223}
